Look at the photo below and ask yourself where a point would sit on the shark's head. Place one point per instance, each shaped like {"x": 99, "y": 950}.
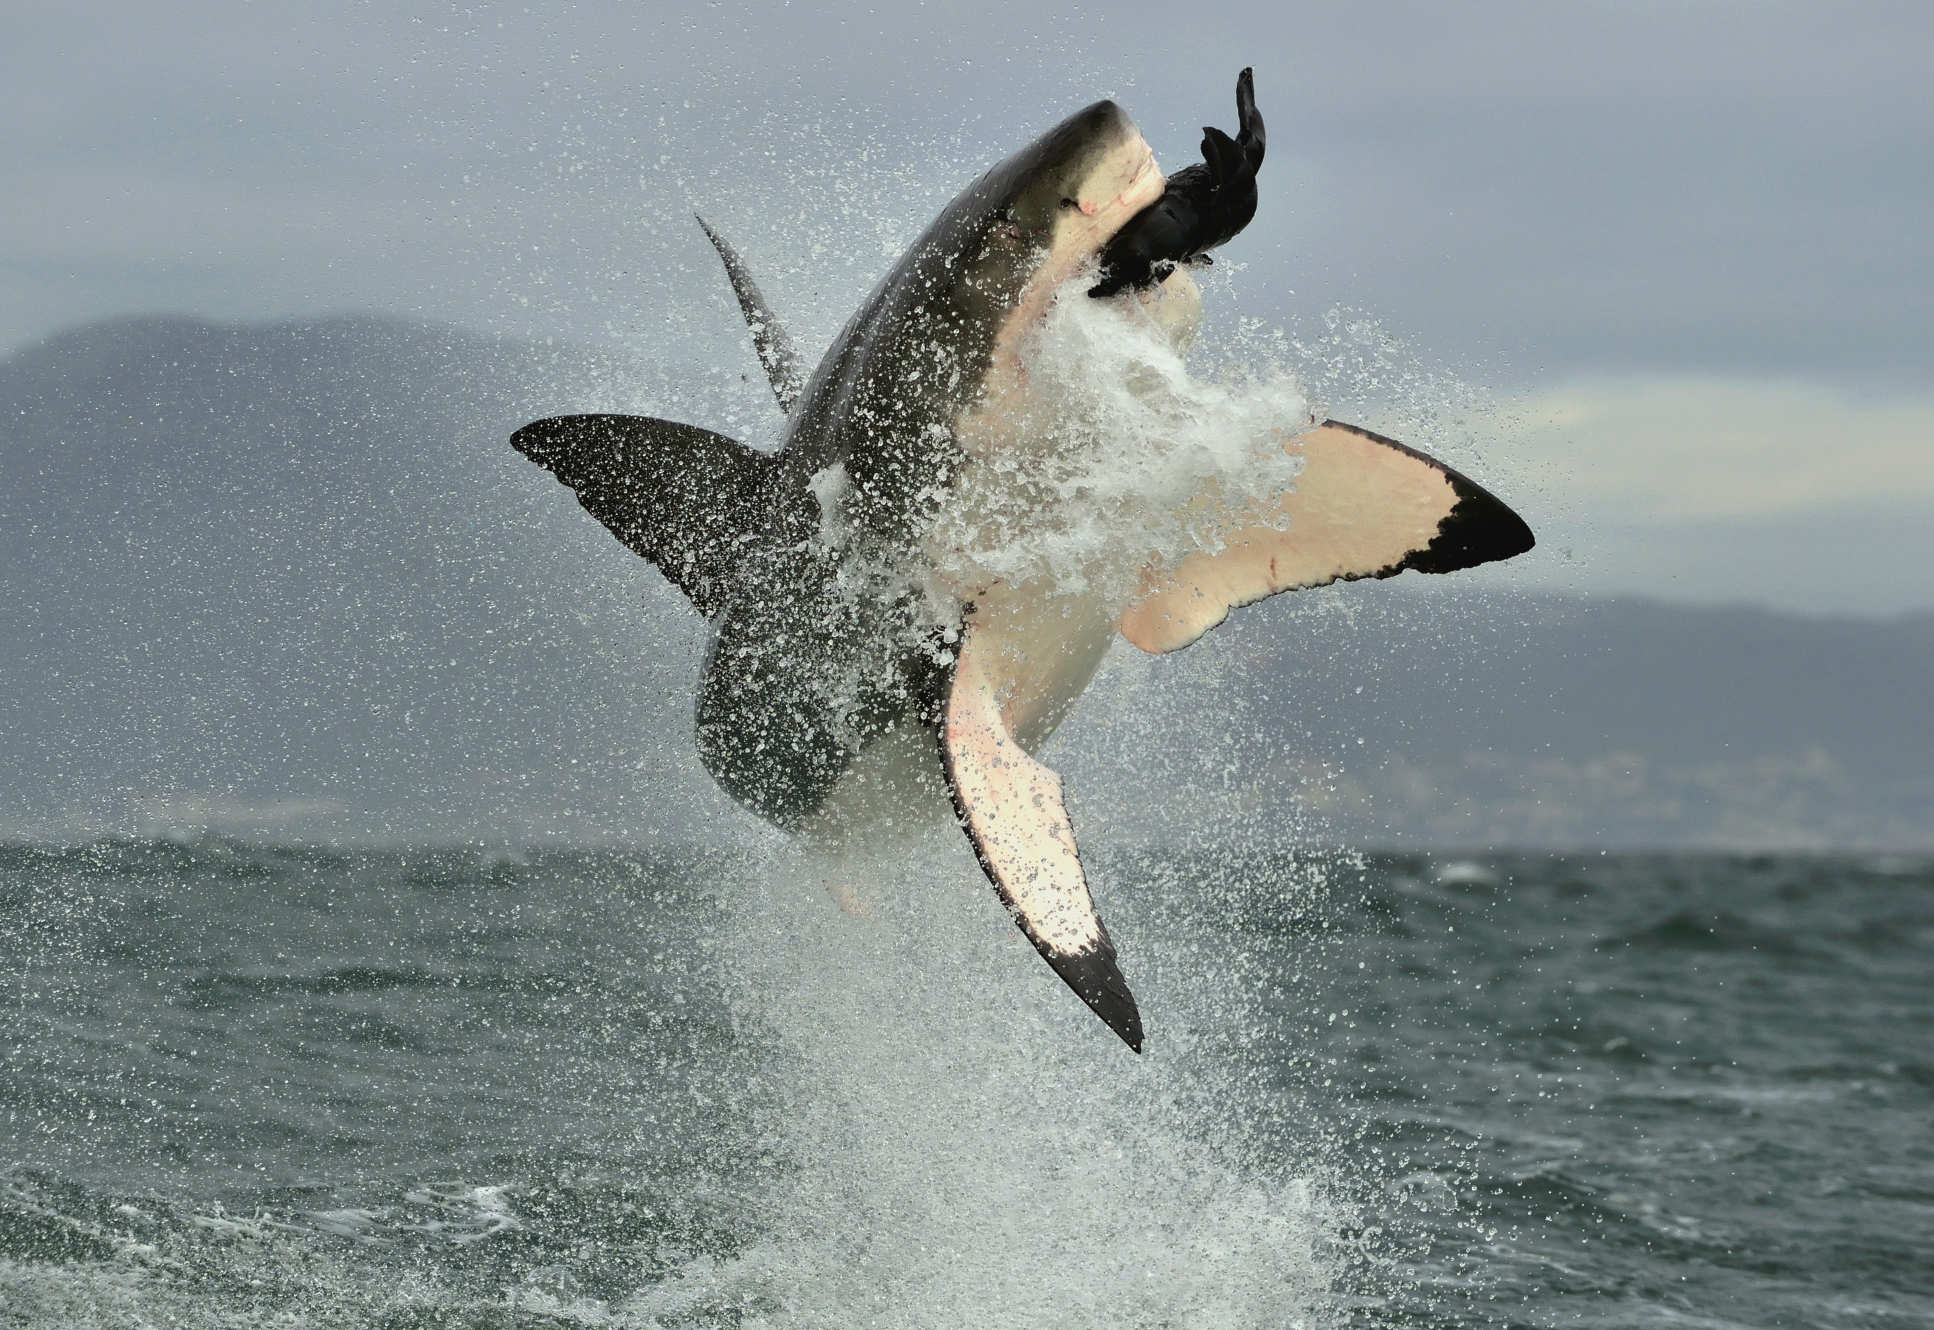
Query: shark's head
{"x": 1046, "y": 211}
{"x": 986, "y": 271}
{"x": 1069, "y": 191}
{"x": 936, "y": 353}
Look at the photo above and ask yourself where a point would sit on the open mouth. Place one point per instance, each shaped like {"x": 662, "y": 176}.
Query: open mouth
{"x": 1200, "y": 207}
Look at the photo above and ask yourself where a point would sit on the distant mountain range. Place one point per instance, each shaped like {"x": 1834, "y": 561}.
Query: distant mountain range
{"x": 290, "y": 580}
{"x": 1423, "y": 715}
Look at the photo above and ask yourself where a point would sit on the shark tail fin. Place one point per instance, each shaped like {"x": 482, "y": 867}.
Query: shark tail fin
{"x": 683, "y": 497}
{"x": 777, "y": 356}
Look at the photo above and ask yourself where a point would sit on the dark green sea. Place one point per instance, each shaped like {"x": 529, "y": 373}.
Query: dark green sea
{"x": 250, "y": 1085}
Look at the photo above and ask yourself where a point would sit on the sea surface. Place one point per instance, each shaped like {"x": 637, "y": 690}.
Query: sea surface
{"x": 251, "y": 1085}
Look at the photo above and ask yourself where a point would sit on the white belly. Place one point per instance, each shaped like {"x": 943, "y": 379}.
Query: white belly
{"x": 895, "y": 789}
{"x": 1051, "y": 646}
{"x": 1053, "y": 627}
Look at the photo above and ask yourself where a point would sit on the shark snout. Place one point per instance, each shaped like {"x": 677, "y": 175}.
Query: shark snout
{"x": 1124, "y": 182}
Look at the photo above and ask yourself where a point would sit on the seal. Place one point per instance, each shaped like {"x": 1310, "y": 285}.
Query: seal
{"x": 1205, "y": 205}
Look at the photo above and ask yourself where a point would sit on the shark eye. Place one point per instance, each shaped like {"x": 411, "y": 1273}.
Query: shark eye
{"x": 1007, "y": 227}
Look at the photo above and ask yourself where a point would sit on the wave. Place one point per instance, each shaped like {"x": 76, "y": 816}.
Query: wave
{"x": 1718, "y": 931}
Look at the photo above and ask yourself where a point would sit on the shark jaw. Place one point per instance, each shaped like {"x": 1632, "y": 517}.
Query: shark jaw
{"x": 1118, "y": 180}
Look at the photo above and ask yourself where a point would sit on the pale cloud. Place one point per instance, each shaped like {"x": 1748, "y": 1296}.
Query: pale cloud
{"x": 1663, "y": 448}
{"x": 1771, "y": 491}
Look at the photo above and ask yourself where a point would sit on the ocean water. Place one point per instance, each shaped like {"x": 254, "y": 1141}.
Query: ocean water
{"x": 250, "y": 1085}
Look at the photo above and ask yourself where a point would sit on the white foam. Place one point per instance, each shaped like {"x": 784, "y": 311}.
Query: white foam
{"x": 1124, "y": 453}
{"x": 962, "y": 1143}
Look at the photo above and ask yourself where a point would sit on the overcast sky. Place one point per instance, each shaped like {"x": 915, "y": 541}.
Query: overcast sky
{"x": 1671, "y": 264}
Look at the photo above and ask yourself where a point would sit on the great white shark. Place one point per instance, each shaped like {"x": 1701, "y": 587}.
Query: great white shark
{"x": 853, "y": 660}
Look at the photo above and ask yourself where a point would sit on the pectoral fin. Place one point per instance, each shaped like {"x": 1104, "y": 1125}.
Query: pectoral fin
{"x": 1011, "y": 808}
{"x": 1364, "y": 506}
{"x": 681, "y": 496}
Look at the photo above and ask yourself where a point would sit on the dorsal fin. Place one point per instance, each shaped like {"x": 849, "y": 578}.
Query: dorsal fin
{"x": 769, "y": 340}
{"x": 685, "y": 498}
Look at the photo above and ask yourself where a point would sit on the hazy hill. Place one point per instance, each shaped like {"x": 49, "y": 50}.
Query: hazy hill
{"x": 294, "y": 577}
{"x": 1422, "y": 714}
{"x": 291, "y": 580}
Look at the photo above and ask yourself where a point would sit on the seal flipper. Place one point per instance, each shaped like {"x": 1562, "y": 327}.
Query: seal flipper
{"x": 1011, "y": 808}
{"x": 683, "y": 497}
{"x": 784, "y": 370}
{"x": 1364, "y": 506}
{"x": 1250, "y": 132}
{"x": 1224, "y": 156}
